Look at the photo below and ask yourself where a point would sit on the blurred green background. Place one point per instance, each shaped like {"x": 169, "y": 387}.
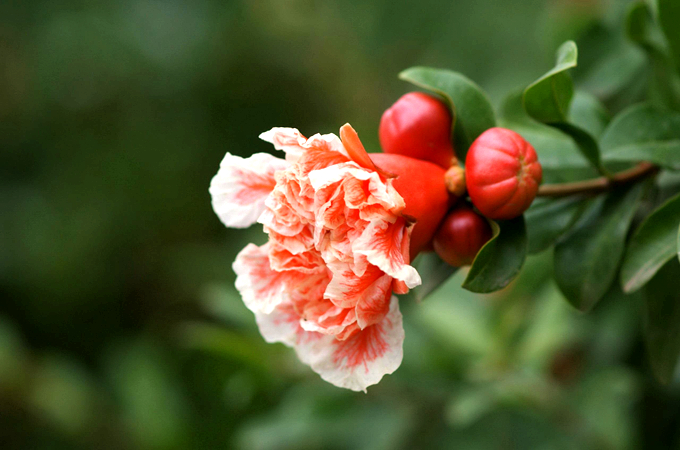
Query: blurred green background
{"x": 119, "y": 324}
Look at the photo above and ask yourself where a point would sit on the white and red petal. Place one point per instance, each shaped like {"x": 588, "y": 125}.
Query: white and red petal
{"x": 328, "y": 318}
{"x": 291, "y": 141}
{"x": 346, "y": 288}
{"x": 363, "y": 358}
{"x": 327, "y": 142}
{"x": 261, "y": 288}
{"x": 379, "y": 191}
{"x": 281, "y": 260}
{"x": 283, "y": 325}
{"x": 374, "y": 302}
{"x": 280, "y": 325}
{"x": 385, "y": 245}
{"x": 241, "y": 185}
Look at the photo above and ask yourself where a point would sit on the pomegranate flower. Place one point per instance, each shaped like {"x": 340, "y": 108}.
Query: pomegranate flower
{"x": 338, "y": 249}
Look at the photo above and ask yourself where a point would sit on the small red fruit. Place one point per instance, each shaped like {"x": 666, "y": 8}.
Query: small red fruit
{"x": 502, "y": 173}
{"x": 419, "y": 126}
{"x": 460, "y": 236}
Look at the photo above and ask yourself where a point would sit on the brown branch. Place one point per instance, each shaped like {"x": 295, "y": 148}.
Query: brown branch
{"x": 597, "y": 185}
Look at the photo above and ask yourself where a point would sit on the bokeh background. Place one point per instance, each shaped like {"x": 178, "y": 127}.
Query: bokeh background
{"x": 119, "y": 324}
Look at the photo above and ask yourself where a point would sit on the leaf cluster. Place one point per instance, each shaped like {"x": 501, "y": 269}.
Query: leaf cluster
{"x": 625, "y": 239}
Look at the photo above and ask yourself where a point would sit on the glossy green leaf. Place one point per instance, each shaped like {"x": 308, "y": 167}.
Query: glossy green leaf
{"x": 669, "y": 18}
{"x": 471, "y": 108}
{"x": 501, "y": 259}
{"x": 678, "y": 244}
{"x": 661, "y": 319}
{"x": 617, "y": 70}
{"x": 653, "y": 245}
{"x": 663, "y": 153}
{"x": 433, "y": 272}
{"x": 588, "y": 113}
{"x": 585, "y": 142}
{"x": 638, "y": 124}
{"x": 588, "y": 257}
{"x": 642, "y": 29}
{"x": 643, "y": 132}
{"x": 547, "y": 99}
{"x": 547, "y": 221}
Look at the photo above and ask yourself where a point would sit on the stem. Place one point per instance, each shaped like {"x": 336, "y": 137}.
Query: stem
{"x": 597, "y": 185}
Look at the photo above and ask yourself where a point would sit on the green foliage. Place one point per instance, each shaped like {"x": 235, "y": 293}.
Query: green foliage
{"x": 548, "y": 100}
{"x": 470, "y": 107}
{"x": 661, "y": 316}
{"x": 669, "y": 17}
{"x": 643, "y": 133}
{"x": 501, "y": 259}
{"x": 588, "y": 257}
{"x": 664, "y": 87}
{"x": 588, "y": 113}
{"x": 653, "y": 245}
{"x": 550, "y": 219}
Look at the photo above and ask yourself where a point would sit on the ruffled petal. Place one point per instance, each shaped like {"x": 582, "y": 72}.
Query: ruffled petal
{"x": 291, "y": 141}
{"x": 374, "y": 303}
{"x": 332, "y": 321}
{"x": 280, "y": 325}
{"x": 346, "y": 289}
{"x": 241, "y": 186}
{"x": 385, "y": 245}
{"x": 261, "y": 288}
{"x": 379, "y": 192}
{"x": 362, "y": 359}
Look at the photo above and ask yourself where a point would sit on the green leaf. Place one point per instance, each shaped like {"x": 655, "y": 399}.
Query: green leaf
{"x": 433, "y": 272}
{"x": 587, "y": 258}
{"x": 653, "y": 245}
{"x": 617, "y": 70}
{"x": 547, "y": 99}
{"x": 638, "y": 124}
{"x": 471, "y": 108}
{"x": 661, "y": 318}
{"x": 548, "y": 220}
{"x": 501, "y": 259}
{"x": 585, "y": 143}
{"x": 643, "y": 132}
{"x": 663, "y": 153}
{"x": 669, "y": 18}
{"x": 678, "y": 244}
{"x": 588, "y": 113}
{"x": 642, "y": 29}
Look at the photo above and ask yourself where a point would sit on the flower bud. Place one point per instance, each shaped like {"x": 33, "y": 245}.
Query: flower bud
{"x": 419, "y": 126}
{"x": 460, "y": 236}
{"x": 421, "y": 184}
{"x": 502, "y": 173}
{"x": 455, "y": 180}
